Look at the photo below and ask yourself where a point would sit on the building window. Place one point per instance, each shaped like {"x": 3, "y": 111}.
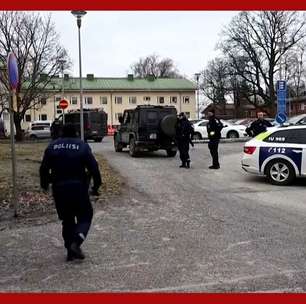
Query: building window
{"x": 187, "y": 114}
{"x": 103, "y": 100}
{"x": 147, "y": 98}
{"x": 173, "y": 99}
{"x": 58, "y": 98}
{"x": 117, "y": 115}
{"x": 88, "y": 100}
{"x": 43, "y": 101}
{"x": 161, "y": 99}
{"x": 59, "y": 111}
{"x": 74, "y": 100}
{"x": 132, "y": 100}
{"x": 118, "y": 99}
{"x": 186, "y": 99}
{"x": 43, "y": 117}
{"x": 28, "y": 117}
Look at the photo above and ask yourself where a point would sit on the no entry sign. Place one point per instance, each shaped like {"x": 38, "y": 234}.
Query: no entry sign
{"x": 63, "y": 104}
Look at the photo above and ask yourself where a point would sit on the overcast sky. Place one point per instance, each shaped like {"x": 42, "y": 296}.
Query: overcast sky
{"x": 112, "y": 41}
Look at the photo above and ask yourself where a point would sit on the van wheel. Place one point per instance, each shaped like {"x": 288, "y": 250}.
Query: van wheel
{"x": 133, "y": 148}
{"x": 171, "y": 153}
{"x": 118, "y": 146}
{"x": 280, "y": 172}
{"x": 34, "y": 137}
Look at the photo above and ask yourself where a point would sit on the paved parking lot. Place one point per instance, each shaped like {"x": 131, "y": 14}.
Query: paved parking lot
{"x": 173, "y": 230}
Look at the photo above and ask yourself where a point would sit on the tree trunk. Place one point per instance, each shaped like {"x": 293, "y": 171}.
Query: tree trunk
{"x": 17, "y": 122}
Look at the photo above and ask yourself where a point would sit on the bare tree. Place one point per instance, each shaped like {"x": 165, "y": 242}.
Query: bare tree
{"x": 215, "y": 81}
{"x": 263, "y": 39}
{"x": 35, "y": 43}
{"x": 152, "y": 65}
{"x": 295, "y": 72}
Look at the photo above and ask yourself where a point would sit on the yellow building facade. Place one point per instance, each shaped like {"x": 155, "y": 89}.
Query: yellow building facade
{"x": 114, "y": 95}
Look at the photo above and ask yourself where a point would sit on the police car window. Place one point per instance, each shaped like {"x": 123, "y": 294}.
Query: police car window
{"x": 286, "y": 136}
{"x": 299, "y": 136}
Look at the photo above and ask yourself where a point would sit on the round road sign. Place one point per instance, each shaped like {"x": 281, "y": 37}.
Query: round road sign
{"x": 12, "y": 67}
{"x": 281, "y": 118}
{"x": 63, "y": 104}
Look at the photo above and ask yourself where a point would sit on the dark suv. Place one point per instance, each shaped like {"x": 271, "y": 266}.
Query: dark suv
{"x": 149, "y": 128}
{"x": 95, "y": 123}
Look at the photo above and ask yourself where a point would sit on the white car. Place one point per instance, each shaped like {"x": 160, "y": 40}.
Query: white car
{"x": 279, "y": 154}
{"x": 229, "y": 131}
{"x": 39, "y": 130}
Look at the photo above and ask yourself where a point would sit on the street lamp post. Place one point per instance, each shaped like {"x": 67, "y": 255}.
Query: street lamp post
{"x": 197, "y": 75}
{"x": 62, "y": 62}
{"x": 79, "y": 15}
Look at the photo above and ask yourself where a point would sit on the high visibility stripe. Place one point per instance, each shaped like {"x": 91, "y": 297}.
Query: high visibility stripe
{"x": 263, "y": 135}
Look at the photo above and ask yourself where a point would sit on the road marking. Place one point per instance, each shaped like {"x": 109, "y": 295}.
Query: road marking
{"x": 129, "y": 265}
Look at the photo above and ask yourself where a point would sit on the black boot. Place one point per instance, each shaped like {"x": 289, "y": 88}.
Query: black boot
{"x": 70, "y": 256}
{"x": 183, "y": 165}
{"x": 77, "y": 251}
{"x": 188, "y": 164}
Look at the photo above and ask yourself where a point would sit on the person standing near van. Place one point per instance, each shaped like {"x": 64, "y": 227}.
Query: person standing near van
{"x": 214, "y": 127}
{"x": 64, "y": 166}
{"x": 184, "y": 133}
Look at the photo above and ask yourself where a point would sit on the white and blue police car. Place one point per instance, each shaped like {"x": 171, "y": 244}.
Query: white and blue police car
{"x": 279, "y": 154}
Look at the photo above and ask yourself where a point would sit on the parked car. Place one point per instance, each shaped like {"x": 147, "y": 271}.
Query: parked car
{"x": 229, "y": 130}
{"x": 147, "y": 128}
{"x": 279, "y": 154}
{"x": 297, "y": 120}
{"x": 38, "y": 131}
{"x": 95, "y": 123}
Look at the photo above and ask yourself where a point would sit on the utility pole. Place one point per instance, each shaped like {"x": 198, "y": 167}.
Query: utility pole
{"x": 197, "y": 76}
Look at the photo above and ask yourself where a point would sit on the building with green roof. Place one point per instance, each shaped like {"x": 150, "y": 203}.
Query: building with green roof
{"x": 114, "y": 95}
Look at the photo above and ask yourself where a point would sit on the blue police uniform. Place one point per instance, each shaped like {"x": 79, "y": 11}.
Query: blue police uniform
{"x": 67, "y": 164}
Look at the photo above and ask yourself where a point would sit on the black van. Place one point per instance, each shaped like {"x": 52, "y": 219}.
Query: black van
{"x": 95, "y": 123}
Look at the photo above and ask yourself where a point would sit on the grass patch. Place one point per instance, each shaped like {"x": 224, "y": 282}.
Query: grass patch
{"x": 31, "y": 200}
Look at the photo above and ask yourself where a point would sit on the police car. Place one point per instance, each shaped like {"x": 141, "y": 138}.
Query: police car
{"x": 279, "y": 154}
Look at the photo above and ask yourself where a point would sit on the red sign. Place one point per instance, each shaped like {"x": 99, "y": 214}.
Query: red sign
{"x": 63, "y": 104}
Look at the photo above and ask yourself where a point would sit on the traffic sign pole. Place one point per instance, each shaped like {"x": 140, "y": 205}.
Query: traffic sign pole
{"x": 13, "y": 152}
{"x": 12, "y": 69}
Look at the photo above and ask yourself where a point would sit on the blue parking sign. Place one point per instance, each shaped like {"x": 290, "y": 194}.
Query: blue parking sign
{"x": 281, "y": 116}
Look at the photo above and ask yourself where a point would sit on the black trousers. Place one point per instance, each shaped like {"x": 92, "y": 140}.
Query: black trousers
{"x": 213, "y": 148}
{"x": 74, "y": 210}
{"x": 183, "y": 147}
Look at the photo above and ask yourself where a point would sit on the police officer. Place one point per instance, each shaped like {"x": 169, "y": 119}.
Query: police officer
{"x": 258, "y": 126}
{"x": 214, "y": 127}
{"x": 64, "y": 165}
{"x": 184, "y": 133}
{"x": 55, "y": 129}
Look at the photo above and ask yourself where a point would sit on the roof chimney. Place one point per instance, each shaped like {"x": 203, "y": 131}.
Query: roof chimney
{"x": 130, "y": 77}
{"x": 66, "y": 76}
{"x": 90, "y": 77}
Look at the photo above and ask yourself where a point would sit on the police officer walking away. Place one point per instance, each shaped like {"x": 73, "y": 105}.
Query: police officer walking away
{"x": 64, "y": 165}
{"x": 214, "y": 127}
{"x": 184, "y": 133}
{"x": 258, "y": 126}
